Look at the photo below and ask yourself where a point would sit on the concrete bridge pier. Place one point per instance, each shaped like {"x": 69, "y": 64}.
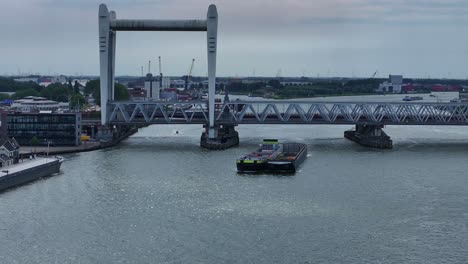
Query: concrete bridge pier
{"x": 104, "y": 133}
{"x": 370, "y": 136}
{"x": 225, "y": 136}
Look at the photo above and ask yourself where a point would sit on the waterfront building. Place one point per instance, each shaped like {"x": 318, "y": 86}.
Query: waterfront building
{"x": 166, "y": 82}
{"x": 26, "y": 79}
{"x": 169, "y": 94}
{"x": 37, "y": 104}
{"x": 152, "y": 87}
{"x": 81, "y": 82}
{"x": 9, "y": 151}
{"x": 60, "y": 79}
{"x": 46, "y": 83}
{"x": 294, "y": 83}
{"x": 3, "y": 124}
{"x": 178, "y": 83}
{"x": 59, "y": 129}
{"x": 463, "y": 96}
{"x": 393, "y": 85}
{"x": 137, "y": 93}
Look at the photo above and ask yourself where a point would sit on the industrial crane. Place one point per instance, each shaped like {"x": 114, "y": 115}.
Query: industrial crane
{"x": 160, "y": 73}
{"x": 187, "y": 78}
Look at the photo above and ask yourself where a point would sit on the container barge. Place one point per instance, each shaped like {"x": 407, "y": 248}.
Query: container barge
{"x": 273, "y": 157}
{"x": 28, "y": 170}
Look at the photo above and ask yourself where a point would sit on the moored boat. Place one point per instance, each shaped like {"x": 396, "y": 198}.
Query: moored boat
{"x": 28, "y": 170}
{"x": 273, "y": 156}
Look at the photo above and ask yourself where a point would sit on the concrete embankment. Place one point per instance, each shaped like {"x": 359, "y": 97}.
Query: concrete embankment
{"x": 85, "y": 145}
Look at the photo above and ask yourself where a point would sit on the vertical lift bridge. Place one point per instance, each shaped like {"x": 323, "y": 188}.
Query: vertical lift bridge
{"x": 108, "y": 27}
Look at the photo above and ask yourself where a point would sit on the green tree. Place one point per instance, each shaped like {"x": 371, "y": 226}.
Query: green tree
{"x": 4, "y": 96}
{"x": 93, "y": 88}
{"x": 70, "y": 86}
{"x": 121, "y": 92}
{"x": 77, "y": 101}
{"x": 7, "y": 84}
{"x": 57, "y": 92}
{"x": 76, "y": 87}
{"x": 23, "y": 93}
{"x": 34, "y": 142}
{"x": 275, "y": 84}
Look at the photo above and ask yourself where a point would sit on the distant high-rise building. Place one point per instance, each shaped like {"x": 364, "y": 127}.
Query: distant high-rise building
{"x": 396, "y": 79}
{"x": 166, "y": 82}
{"x": 393, "y": 85}
{"x": 152, "y": 87}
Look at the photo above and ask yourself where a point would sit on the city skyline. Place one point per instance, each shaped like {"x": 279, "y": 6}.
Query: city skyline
{"x": 415, "y": 38}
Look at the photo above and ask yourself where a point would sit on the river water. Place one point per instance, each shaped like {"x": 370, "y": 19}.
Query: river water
{"x": 159, "y": 198}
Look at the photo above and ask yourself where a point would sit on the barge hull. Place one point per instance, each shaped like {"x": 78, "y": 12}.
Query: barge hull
{"x": 251, "y": 167}
{"x": 289, "y": 166}
{"x": 30, "y": 174}
{"x": 281, "y": 166}
{"x": 299, "y": 151}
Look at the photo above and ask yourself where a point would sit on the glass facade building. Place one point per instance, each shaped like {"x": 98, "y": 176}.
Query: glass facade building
{"x": 59, "y": 129}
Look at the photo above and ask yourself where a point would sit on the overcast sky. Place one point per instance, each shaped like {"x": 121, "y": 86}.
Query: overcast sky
{"x": 417, "y": 38}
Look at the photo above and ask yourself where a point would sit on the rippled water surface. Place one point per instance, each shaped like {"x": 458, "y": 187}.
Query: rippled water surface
{"x": 159, "y": 198}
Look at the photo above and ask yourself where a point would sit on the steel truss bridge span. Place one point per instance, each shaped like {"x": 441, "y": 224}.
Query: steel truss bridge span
{"x": 289, "y": 112}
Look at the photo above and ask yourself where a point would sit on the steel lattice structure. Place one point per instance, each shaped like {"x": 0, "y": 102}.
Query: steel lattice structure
{"x": 290, "y": 112}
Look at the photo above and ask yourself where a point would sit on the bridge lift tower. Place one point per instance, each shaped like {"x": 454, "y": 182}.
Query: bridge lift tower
{"x": 108, "y": 27}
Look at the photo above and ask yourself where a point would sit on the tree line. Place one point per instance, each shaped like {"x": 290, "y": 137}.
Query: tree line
{"x": 59, "y": 92}
{"x": 10, "y": 85}
{"x": 319, "y": 88}
{"x": 93, "y": 88}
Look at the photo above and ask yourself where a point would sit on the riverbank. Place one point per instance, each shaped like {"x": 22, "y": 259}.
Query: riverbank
{"x": 427, "y": 97}
{"x": 84, "y": 147}
{"x": 279, "y": 97}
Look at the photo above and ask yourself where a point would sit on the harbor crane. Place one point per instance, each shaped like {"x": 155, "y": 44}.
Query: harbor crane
{"x": 187, "y": 78}
{"x": 160, "y": 73}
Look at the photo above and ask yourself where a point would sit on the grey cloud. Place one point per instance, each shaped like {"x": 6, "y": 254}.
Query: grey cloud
{"x": 310, "y": 36}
